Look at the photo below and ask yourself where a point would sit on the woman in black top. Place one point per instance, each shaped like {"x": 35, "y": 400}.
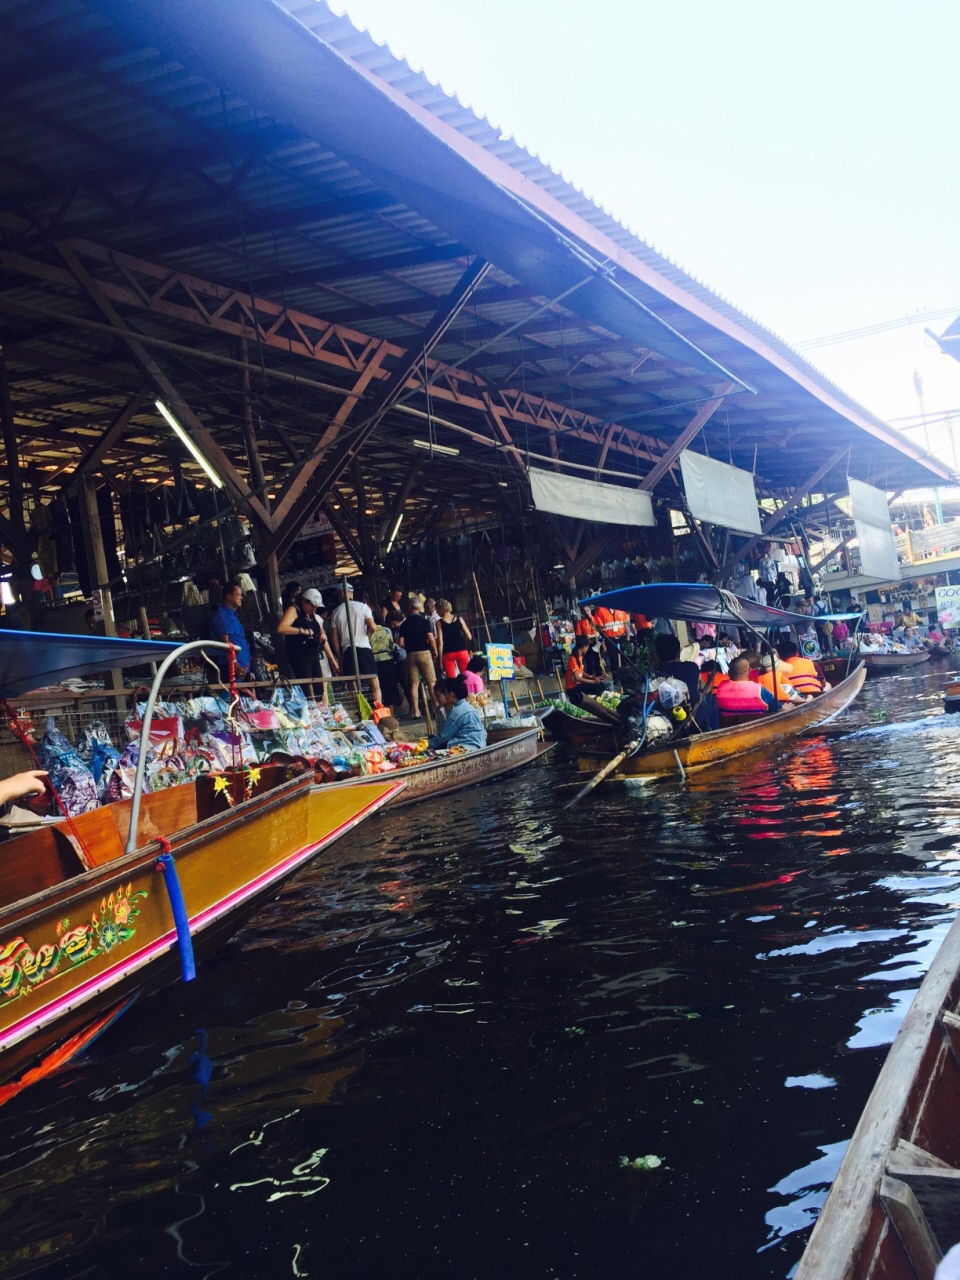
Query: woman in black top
{"x": 454, "y": 635}
{"x": 305, "y": 637}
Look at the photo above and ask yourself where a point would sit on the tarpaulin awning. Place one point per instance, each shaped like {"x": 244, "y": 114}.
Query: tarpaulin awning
{"x": 31, "y": 659}
{"x": 701, "y": 602}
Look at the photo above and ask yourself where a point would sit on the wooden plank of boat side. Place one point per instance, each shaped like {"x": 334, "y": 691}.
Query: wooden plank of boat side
{"x": 951, "y": 1027}
{"x": 842, "y": 1227}
{"x": 936, "y": 1193}
{"x": 911, "y": 1226}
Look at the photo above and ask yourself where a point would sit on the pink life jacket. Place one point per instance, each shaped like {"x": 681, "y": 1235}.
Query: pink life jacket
{"x": 740, "y": 698}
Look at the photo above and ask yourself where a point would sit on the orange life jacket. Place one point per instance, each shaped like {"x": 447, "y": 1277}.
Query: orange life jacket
{"x": 803, "y": 676}
{"x": 778, "y": 690}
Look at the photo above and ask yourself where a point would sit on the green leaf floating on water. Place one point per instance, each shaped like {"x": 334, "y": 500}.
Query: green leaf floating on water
{"x": 642, "y": 1163}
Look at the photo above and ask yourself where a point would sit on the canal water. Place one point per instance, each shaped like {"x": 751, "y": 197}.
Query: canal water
{"x": 439, "y": 1054}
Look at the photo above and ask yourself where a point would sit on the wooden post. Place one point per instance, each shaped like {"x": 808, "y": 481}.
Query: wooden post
{"x": 483, "y": 614}
{"x": 145, "y": 632}
{"x": 97, "y": 561}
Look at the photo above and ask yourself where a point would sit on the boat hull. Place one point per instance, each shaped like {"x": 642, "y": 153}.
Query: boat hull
{"x": 879, "y": 663}
{"x": 703, "y": 750}
{"x": 439, "y": 777}
{"x": 581, "y": 731}
{"x": 74, "y": 951}
{"x": 893, "y": 1207}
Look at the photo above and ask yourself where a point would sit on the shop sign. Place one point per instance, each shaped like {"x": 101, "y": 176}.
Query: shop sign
{"x": 948, "y": 606}
{"x": 500, "y": 661}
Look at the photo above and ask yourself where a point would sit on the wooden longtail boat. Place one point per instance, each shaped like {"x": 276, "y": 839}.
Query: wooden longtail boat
{"x": 699, "y": 751}
{"x": 110, "y": 904}
{"x": 438, "y": 777}
{"x": 951, "y": 697}
{"x": 880, "y": 663}
{"x": 582, "y": 731}
{"x": 502, "y": 731}
{"x": 894, "y": 1207}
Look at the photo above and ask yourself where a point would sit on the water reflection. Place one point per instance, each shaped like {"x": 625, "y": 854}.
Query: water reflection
{"x": 430, "y": 1055}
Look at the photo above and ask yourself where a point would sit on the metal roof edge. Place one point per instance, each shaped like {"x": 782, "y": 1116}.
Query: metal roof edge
{"x": 711, "y": 307}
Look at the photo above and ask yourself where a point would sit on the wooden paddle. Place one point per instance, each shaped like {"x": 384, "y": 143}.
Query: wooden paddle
{"x": 607, "y": 769}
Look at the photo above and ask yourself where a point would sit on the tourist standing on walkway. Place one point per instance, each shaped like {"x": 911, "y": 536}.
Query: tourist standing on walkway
{"x": 419, "y": 646}
{"x": 226, "y": 626}
{"x": 362, "y": 625}
{"x": 305, "y": 637}
{"x": 288, "y": 597}
{"x": 453, "y": 636}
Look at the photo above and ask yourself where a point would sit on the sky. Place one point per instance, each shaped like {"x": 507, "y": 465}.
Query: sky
{"x": 800, "y": 158}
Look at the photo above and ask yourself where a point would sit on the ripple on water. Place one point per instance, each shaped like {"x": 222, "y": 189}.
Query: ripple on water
{"x": 430, "y": 1055}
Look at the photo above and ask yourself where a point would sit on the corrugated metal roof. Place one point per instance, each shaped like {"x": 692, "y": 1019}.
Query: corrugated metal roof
{"x": 116, "y": 148}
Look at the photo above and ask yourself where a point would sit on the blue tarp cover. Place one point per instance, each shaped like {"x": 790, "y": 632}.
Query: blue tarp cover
{"x": 701, "y": 602}
{"x": 31, "y": 659}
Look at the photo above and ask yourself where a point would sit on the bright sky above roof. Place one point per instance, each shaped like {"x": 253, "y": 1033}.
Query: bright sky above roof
{"x": 799, "y": 158}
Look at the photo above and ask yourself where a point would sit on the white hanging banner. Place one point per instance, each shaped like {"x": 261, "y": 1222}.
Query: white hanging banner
{"x": 589, "y": 499}
{"x": 720, "y": 494}
{"x": 871, "y": 517}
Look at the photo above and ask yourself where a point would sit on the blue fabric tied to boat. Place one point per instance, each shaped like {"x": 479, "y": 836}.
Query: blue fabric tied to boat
{"x": 181, "y": 920}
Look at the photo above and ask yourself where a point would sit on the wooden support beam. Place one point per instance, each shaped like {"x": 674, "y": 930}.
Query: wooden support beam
{"x": 841, "y": 546}
{"x": 94, "y": 457}
{"x": 396, "y": 509}
{"x": 351, "y": 546}
{"x": 587, "y": 557}
{"x": 690, "y": 432}
{"x": 12, "y": 451}
{"x": 236, "y": 486}
{"x": 792, "y": 503}
{"x": 291, "y": 512}
{"x": 497, "y": 420}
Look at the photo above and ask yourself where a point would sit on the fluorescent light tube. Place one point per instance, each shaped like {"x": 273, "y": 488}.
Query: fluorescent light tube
{"x": 437, "y": 448}
{"x": 185, "y": 439}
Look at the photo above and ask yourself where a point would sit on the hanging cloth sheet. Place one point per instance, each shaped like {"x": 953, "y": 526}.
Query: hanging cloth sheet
{"x": 606, "y": 503}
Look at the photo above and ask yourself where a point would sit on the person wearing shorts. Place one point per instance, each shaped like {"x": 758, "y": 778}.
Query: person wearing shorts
{"x": 454, "y": 635}
{"x": 362, "y": 624}
{"x": 419, "y": 645}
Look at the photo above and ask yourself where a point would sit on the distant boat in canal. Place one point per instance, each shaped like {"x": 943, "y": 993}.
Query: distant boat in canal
{"x": 452, "y": 773}
{"x": 701, "y": 750}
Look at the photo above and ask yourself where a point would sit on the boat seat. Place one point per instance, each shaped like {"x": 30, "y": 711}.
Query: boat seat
{"x": 36, "y": 861}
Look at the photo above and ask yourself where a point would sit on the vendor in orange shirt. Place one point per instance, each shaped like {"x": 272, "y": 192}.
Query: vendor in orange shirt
{"x": 585, "y": 624}
{"x": 578, "y": 682}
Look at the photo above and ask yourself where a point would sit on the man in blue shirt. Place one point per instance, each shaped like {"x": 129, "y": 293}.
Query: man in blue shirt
{"x": 463, "y": 726}
{"x": 225, "y": 625}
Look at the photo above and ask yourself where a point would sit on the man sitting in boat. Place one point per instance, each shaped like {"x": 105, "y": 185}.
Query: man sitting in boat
{"x": 463, "y": 726}
{"x": 740, "y": 699}
{"x": 806, "y": 675}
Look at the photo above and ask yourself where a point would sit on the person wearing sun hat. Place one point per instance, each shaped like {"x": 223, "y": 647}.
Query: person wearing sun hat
{"x": 304, "y": 637}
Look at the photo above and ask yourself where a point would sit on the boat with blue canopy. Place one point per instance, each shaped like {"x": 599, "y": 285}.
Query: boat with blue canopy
{"x": 658, "y": 746}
